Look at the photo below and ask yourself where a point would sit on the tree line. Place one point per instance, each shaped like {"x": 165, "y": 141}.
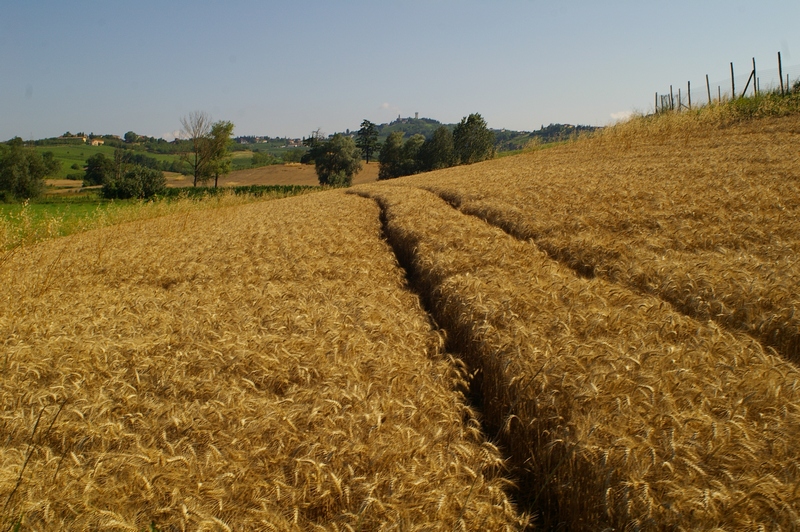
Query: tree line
{"x": 206, "y": 150}
{"x": 133, "y": 175}
{"x": 470, "y": 142}
{"x": 124, "y": 176}
{"x": 127, "y": 174}
{"x": 338, "y": 158}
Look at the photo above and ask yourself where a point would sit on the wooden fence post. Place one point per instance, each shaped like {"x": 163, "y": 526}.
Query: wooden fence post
{"x": 689, "y": 93}
{"x": 708, "y": 88}
{"x": 755, "y": 78}
{"x": 749, "y": 79}
{"x": 733, "y": 84}
{"x": 671, "y": 99}
{"x": 780, "y": 72}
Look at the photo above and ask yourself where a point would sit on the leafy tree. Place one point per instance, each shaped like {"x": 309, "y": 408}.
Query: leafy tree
{"x": 314, "y": 142}
{"x": 411, "y": 155}
{"x": 131, "y": 137}
{"x": 137, "y": 182}
{"x": 472, "y": 140}
{"x": 262, "y": 158}
{"x": 367, "y": 139}
{"x": 398, "y": 158}
{"x": 337, "y": 160}
{"x": 209, "y": 145}
{"x": 437, "y": 152}
{"x": 293, "y": 156}
{"x": 219, "y": 145}
{"x": 22, "y": 170}
{"x": 391, "y": 156}
{"x": 52, "y": 164}
{"x": 99, "y": 169}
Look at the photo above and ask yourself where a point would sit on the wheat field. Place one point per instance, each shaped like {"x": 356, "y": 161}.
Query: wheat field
{"x": 703, "y": 217}
{"x": 600, "y": 335}
{"x": 251, "y": 368}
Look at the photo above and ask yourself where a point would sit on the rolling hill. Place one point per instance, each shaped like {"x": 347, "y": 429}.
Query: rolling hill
{"x": 600, "y": 335}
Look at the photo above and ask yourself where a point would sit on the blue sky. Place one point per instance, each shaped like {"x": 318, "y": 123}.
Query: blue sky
{"x": 288, "y": 68}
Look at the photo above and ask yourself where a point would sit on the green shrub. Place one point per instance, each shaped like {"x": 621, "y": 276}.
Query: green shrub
{"x": 138, "y": 182}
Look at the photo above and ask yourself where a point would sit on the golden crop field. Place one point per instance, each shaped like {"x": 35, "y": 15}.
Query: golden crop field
{"x": 251, "y": 368}
{"x": 599, "y": 335}
{"x": 702, "y": 217}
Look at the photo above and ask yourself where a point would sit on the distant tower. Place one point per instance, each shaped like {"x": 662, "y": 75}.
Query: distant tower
{"x": 416, "y": 116}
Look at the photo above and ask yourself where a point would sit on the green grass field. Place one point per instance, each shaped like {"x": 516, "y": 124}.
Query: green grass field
{"x": 74, "y": 154}
{"x": 52, "y": 217}
{"x": 78, "y": 154}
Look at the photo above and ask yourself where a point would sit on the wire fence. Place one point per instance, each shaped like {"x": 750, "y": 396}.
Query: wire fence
{"x": 746, "y": 81}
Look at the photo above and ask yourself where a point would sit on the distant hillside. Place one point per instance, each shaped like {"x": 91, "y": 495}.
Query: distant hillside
{"x": 411, "y": 126}
{"x": 506, "y": 140}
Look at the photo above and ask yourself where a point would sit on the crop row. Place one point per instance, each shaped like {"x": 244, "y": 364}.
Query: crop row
{"x": 616, "y": 411}
{"x": 711, "y": 226}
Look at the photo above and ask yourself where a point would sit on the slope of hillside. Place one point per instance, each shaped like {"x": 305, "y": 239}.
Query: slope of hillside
{"x": 620, "y": 310}
{"x": 706, "y": 219}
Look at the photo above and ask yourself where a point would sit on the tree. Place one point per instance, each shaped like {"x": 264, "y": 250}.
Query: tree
{"x": 22, "y": 170}
{"x": 137, "y": 182}
{"x": 219, "y": 144}
{"x": 437, "y": 152}
{"x": 293, "y": 156}
{"x": 398, "y": 158}
{"x": 196, "y": 127}
{"x": 391, "y": 156}
{"x": 131, "y": 137}
{"x": 367, "y": 139}
{"x": 410, "y": 154}
{"x": 337, "y": 160}
{"x": 51, "y": 164}
{"x": 99, "y": 169}
{"x": 314, "y": 143}
{"x": 209, "y": 146}
{"x": 263, "y": 158}
{"x": 472, "y": 140}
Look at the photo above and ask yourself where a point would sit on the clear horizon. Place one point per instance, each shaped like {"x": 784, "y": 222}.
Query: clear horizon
{"x": 284, "y": 69}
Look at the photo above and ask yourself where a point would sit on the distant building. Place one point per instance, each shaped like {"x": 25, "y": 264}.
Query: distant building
{"x": 73, "y": 138}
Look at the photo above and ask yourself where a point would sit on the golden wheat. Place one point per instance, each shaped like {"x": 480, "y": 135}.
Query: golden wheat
{"x": 265, "y": 366}
{"x": 261, "y": 367}
{"x": 22, "y": 229}
{"x": 703, "y": 217}
{"x": 617, "y": 411}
